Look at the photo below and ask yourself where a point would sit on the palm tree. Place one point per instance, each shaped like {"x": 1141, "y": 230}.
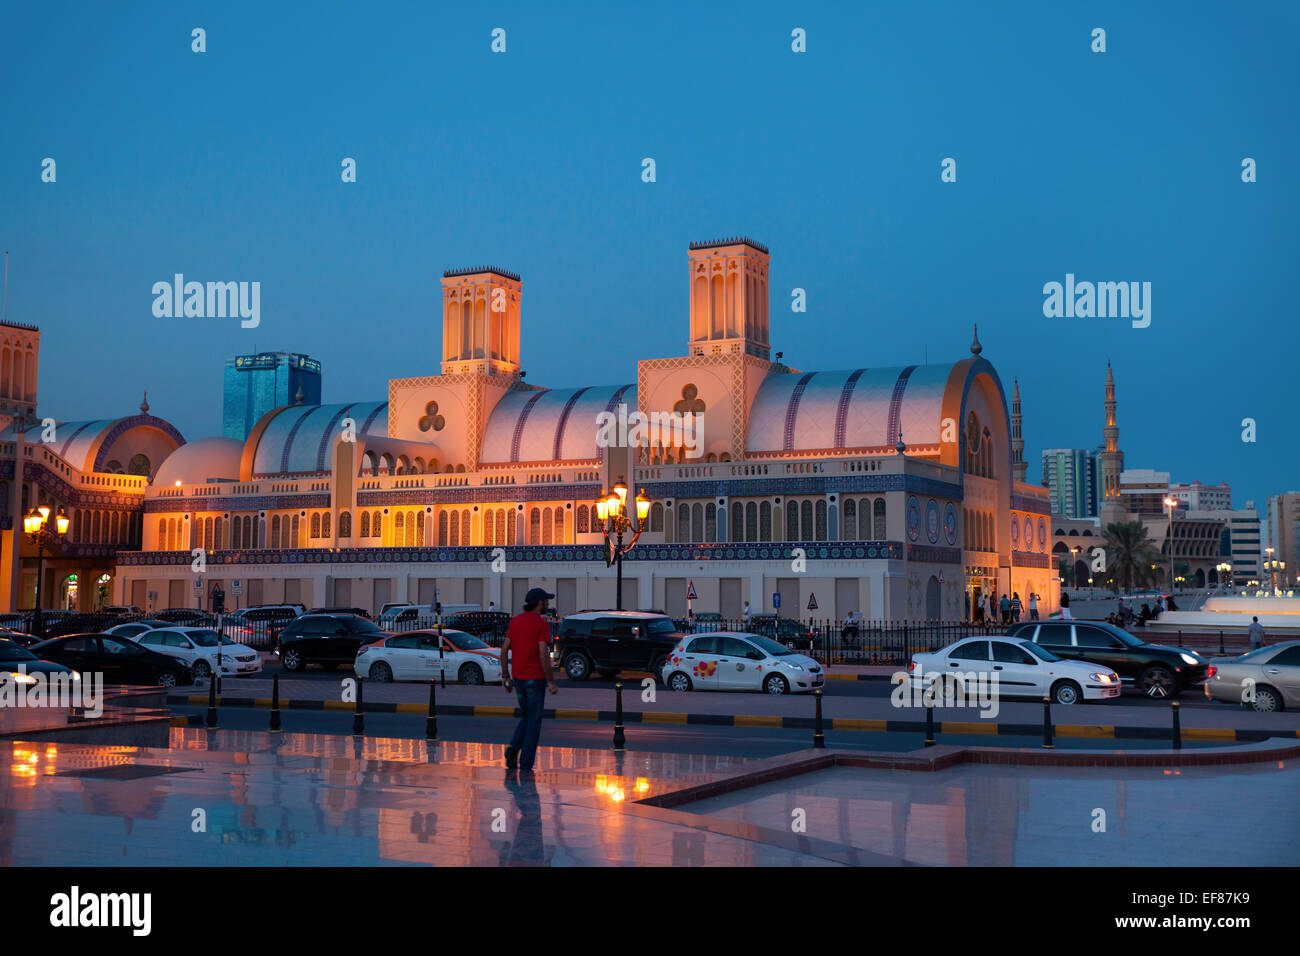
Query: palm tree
{"x": 1130, "y": 553}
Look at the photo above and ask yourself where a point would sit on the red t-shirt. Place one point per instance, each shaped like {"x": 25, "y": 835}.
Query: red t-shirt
{"x": 525, "y": 632}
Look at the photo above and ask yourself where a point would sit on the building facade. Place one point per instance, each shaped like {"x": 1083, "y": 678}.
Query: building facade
{"x": 1072, "y": 479}
{"x": 254, "y": 384}
{"x": 1198, "y": 496}
{"x": 1282, "y": 533}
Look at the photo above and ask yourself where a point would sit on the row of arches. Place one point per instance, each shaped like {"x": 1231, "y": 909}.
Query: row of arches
{"x": 106, "y": 527}
{"x": 18, "y": 373}
{"x": 979, "y": 531}
{"x": 373, "y": 464}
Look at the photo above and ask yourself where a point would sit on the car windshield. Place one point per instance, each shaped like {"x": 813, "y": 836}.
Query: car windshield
{"x": 12, "y": 652}
{"x": 1042, "y": 653}
{"x": 464, "y": 642}
{"x": 768, "y": 646}
{"x": 660, "y": 625}
{"x": 361, "y": 626}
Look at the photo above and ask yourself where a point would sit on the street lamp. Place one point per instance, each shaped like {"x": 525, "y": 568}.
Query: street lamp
{"x": 39, "y": 532}
{"x": 1225, "y": 569}
{"x": 1074, "y": 569}
{"x": 612, "y": 511}
{"x": 1171, "y": 503}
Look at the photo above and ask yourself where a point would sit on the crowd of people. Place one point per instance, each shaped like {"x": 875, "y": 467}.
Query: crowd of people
{"x": 1008, "y": 610}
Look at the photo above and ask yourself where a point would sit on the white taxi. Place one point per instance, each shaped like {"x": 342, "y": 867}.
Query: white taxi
{"x": 423, "y": 656}
{"x": 1022, "y": 668}
{"x": 734, "y": 660}
{"x": 198, "y": 647}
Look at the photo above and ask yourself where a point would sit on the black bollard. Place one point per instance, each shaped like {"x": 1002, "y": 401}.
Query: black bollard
{"x": 1178, "y": 727}
{"x": 929, "y": 719}
{"x": 275, "y": 701}
{"x": 619, "y": 737}
{"x": 819, "y": 735}
{"x": 1047, "y": 724}
{"x": 211, "y": 721}
{"x": 1220, "y": 643}
{"x": 431, "y": 721}
{"x": 358, "y": 717}
{"x": 444, "y": 678}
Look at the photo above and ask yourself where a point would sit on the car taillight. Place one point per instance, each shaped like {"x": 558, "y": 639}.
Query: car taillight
{"x": 1213, "y": 670}
{"x": 911, "y": 666}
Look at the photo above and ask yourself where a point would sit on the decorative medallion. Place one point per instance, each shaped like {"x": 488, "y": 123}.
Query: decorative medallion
{"x": 932, "y": 521}
{"x": 950, "y": 523}
{"x": 1015, "y": 532}
{"x": 913, "y": 518}
{"x": 431, "y": 418}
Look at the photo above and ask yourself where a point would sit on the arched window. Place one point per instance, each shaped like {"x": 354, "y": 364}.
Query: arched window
{"x": 559, "y": 526}
{"x": 697, "y": 522}
{"x": 582, "y": 520}
{"x": 399, "y": 524}
{"x": 376, "y": 524}
{"x": 162, "y": 532}
{"x": 737, "y": 521}
{"x": 173, "y": 535}
{"x": 501, "y": 526}
{"x": 419, "y": 528}
{"x": 683, "y": 522}
{"x": 315, "y": 524}
{"x": 293, "y": 541}
{"x": 791, "y": 520}
{"x": 345, "y": 524}
{"x": 821, "y": 520}
{"x": 710, "y": 522}
{"x": 849, "y": 529}
{"x": 454, "y": 539}
{"x": 237, "y": 533}
{"x": 656, "y": 517}
{"x": 275, "y": 531}
{"x": 218, "y": 526}
{"x": 465, "y": 529}
{"x": 325, "y": 525}
{"x": 765, "y": 521}
{"x": 139, "y": 465}
{"x": 751, "y": 521}
{"x": 879, "y": 510}
{"x": 512, "y": 526}
{"x": 442, "y": 529}
{"x": 94, "y": 528}
{"x": 117, "y": 527}
{"x": 365, "y": 524}
{"x": 410, "y": 530}
{"x": 535, "y": 526}
{"x": 546, "y": 526}
{"x": 806, "y": 520}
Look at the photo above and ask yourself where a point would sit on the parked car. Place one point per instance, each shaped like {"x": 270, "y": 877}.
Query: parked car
{"x": 612, "y": 641}
{"x": 134, "y": 629}
{"x": 786, "y": 630}
{"x": 398, "y": 617}
{"x": 122, "y": 661}
{"x": 359, "y": 612}
{"x": 326, "y": 639}
{"x": 188, "y": 616}
{"x": 734, "y": 660}
{"x": 1267, "y": 678}
{"x": 125, "y": 609}
{"x": 1155, "y": 669}
{"x": 198, "y": 647}
{"x": 262, "y": 622}
{"x": 21, "y": 638}
{"x": 81, "y": 623}
{"x": 1023, "y": 669}
{"x": 18, "y": 660}
{"x": 479, "y": 623}
{"x": 423, "y": 655}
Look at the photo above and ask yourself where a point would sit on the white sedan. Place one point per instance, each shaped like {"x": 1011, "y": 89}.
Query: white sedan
{"x": 199, "y": 646}
{"x": 1022, "y": 668}
{"x": 734, "y": 660}
{"x": 421, "y": 655}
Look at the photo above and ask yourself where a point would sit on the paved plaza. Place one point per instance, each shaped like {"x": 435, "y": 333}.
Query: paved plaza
{"x": 229, "y": 798}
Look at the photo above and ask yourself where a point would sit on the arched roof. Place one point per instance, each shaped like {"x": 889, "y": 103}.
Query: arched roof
{"x": 85, "y": 445}
{"x": 296, "y": 439}
{"x": 196, "y": 462}
{"x": 550, "y": 424}
{"x": 853, "y": 408}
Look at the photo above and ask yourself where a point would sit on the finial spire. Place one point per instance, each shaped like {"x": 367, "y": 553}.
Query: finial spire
{"x": 144, "y": 403}
{"x": 900, "y": 446}
{"x": 298, "y": 395}
{"x": 975, "y": 347}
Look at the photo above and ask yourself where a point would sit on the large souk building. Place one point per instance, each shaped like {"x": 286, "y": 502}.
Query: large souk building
{"x": 896, "y": 492}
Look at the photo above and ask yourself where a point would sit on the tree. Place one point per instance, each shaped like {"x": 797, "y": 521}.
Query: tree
{"x": 1130, "y": 553}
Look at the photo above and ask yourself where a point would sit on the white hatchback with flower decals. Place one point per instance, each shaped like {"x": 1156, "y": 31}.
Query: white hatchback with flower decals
{"x": 734, "y": 660}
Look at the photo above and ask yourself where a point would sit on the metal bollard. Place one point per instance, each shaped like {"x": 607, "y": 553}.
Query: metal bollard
{"x": 211, "y": 721}
{"x": 1220, "y": 643}
{"x": 431, "y": 721}
{"x": 1178, "y": 727}
{"x": 929, "y": 720}
{"x": 358, "y": 716}
{"x": 819, "y": 735}
{"x": 444, "y": 678}
{"x": 275, "y": 701}
{"x": 619, "y": 737}
{"x": 1047, "y": 724}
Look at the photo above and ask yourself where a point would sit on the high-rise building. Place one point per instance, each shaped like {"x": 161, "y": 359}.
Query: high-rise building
{"x": 1282, "y": 534}
{"x": 1142, "y": 491}
{"x": 1244, "y": 527}
{"x": 1202, "y": 497}
{"x": 1071, "y": 476}
{"x": 255, "y": 384}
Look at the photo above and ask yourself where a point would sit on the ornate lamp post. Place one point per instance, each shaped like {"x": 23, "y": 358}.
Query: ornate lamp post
{"x": 612, "y": 511}
{"x": 1171, "y": 504}
{"x": 1074, "y": 567}
{"x": 37, "y": 525}
{"x": 1225, "y": 574}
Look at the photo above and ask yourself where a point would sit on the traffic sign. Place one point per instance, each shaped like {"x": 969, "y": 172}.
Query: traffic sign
{"x": 776, "y": 599}
{"x": 812, "y": 601}
{"x": 198, "y": 584}
{"x": 690, "y": 591}
{"x": 236, "y": 586}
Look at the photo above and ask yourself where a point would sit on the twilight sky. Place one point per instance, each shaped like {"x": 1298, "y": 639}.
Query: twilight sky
{"x": 1115, "y": 166}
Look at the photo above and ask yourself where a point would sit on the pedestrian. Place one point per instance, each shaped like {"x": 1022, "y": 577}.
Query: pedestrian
{"x": 1160, "y": 604}
{"x": 492, "y": 606}
{"x": 1005, "y": 605}
{"x": 849, "y": 635}
{"x": 1033, "y": 606}
{"x": 966, "y": 596}
{"x": 1256, "y": 634}
{"x": 1170, "y": 605}
{"x": 992, "y": 616}
{"x": 979, "y": 609}
{"x": 745, "y": 615}
{"x": 1015, "y": 607}
{"x": 1065, "y": 606}
{"x": 526, "y": 663}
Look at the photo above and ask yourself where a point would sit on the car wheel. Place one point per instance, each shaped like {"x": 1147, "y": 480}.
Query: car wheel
{"x": 1066, "y": 692}
{"x": 470, "y": 674}
{"x": 202, "y": 670}
{"x": 1158, "y": 682}
{"x": 1267, "y": 700}
{"x": 679, "y": 682}
{"x": 775, "y": 684}
{"x": 292, "y": 660}
{"x": 168, "y": 679}
{"x": 380, "y": 671}
{"x": 577, "y": 667}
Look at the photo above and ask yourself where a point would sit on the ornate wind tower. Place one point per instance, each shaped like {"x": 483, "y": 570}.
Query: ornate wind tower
{"x": 1112, "y": 459}
{"x": 1018, "y": 466}
{"x": 480, "y": 321}
{"x": 728, "y": 297}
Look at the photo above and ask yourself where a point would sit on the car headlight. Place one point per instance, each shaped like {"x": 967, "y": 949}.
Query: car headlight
{"x": 793, "y": 667}
{"x": 18, "y": 678}
{"x": 1100, "y": 678}
{"x": 1189, "y": 659}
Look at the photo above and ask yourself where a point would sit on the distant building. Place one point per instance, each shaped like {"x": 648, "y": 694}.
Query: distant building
{"x": 255, "y": 384}
{"x": 1282, "y": 534}
{"x": 1071, "y": 477}
{"x": 1143, "y": 491}
{"x": 1201, "y": 497}
{"x": 1244, "y": 526}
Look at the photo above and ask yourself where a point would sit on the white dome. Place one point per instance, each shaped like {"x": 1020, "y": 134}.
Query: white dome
{"x": 196, "y": 462}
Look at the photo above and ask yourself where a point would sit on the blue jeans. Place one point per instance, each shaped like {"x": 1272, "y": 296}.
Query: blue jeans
{"x": 531, "y": 695}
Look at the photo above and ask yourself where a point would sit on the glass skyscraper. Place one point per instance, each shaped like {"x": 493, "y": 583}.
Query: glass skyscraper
{"x": 1071, "y": 476}
{"x": 255, "y": 384}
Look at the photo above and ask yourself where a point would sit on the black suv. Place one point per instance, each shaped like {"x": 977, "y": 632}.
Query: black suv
{"x": 1156, "y": 669}
{"x": 786, "y": 630}
{"x": 326, "y": 639}
{"x": 611, "y": 641}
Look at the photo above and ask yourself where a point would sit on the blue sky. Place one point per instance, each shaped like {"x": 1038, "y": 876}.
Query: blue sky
{"x": 1116, "y": 166}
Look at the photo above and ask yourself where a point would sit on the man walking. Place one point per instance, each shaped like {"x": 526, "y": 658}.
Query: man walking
{"x": 744, "y": 616}
{"x": 1033, "y": 606}
{"x": 1065, "y": 606}
{"x": 1016, "y": 607}
{"x": 1256, "y": 634}
{"x": 526, "y": 657}
{"x": 1006, "y": 609}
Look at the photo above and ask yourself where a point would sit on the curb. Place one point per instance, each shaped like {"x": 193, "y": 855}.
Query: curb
{"x": 843, "y": 724}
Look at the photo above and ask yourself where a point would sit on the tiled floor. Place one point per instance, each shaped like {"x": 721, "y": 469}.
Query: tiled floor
{"x": 247, "y": 798}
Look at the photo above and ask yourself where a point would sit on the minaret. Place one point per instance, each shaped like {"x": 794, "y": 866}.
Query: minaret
{"x": 1112, "y": 459}
{"x": 1017, "y": 443}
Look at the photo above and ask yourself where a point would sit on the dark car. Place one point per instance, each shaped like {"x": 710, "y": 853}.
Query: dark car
{"x": 786, "y": 630}
{"x": 21, "y": 638}
{"x": 1157, "y": 670}
{"x": 81, "y": 623}
{"x": 326, "y": 639}
{"x": 359, "y": 612}
{"x": 120, "y": 660}
{"x": 259, "y": 624}
{"x": 188, "y": 616}
{"x": 480, "y": 623}
{"x": 16, "y": 659}
{"x": 611, "y": 641}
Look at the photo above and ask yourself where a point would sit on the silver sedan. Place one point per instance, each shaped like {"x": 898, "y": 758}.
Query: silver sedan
{"x": 1267, "y": 678}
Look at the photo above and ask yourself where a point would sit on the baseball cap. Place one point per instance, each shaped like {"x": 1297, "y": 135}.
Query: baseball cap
{"x": 536, "y": 594}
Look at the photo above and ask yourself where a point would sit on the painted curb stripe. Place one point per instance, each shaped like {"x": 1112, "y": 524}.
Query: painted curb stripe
{"x": 746, "y": 720}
